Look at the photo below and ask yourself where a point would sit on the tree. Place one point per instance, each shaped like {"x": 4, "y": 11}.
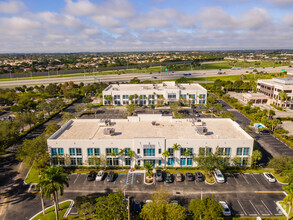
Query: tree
{"x": 131, "y": 108}
{"x": 52, "y": 182}
{"x": 281, "y": 164}
{"x": 165, "y": 154}
{"x": 205, "y": 209}
{"x": 51, "y": 128}
{"x": 122, "y": 154}
{"x": 283, "y": 95}
{"x": 131, "y": 154}
{"x": 148, "y": 166}
{"x": 86, "y": 209}
{"x": 288, "y": 200}
{"x": 103, "y": 159}
{"x": 256, "y": 156}
{"x": 173, "y": 211}
{"x": 67, "y": 116}
{"x": 113, "y": 206}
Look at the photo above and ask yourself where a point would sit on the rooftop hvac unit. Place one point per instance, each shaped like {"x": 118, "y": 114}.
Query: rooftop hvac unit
{"x": 109, "y": 131}
{"x": 201, "y": 130}
{"x": 104, "y": 122}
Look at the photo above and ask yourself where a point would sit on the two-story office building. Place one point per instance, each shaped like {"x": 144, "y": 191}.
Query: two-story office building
{"x": 280, "y": 91}
{"x": 148, "y": 136}
{"x": 151, "y": 94}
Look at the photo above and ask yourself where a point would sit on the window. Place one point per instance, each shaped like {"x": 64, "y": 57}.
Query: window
{"x": 90, "y": 161}
{"x": 205, "y": 150}
{"x": 55, "y": 161}
{"x": 115, "y": 161}
{"x": 138, "y": 162}
{"x": 61, "y": 161}
{"x": 54, "y": 151}
{"x": 160, "y": 162}
{"x": 127, "y": 161}
{"x": 72, "y": 151}
{"x": 149, "y": 152}
{"x": 159, "y": 151}
{"x": 183, "y": 96}
{"x": 108, "y": 151}
{"x": 182, "y": 150}
{"x": 171, "y": 151}
{"x": 117, "y": 102}
{"x": 78, "y": 152}
{"x": 116, "y": 96}
{"x": 73, "y": 161}
{"x": 115, "y": 150}
{"x": 97, "y": 151}
{"x": 202, "y": 96}
{"x": 244, "y": 161}
{"x": 183, "y": 161}
{"x": 126, "y": 151}
{"x": 125, "y": 102}
{"x": 125, "y": 96}
{"x": 170, "y": 161}
{"x": 227, "y": 151}
{"x": 60, "y": 152}
{"x": 189, "y": 161}
{"x": 138, "y": 151}
{"x": 90, "y": 152}
{"x": 239, "y": 151}
{"x": 192, "y": 96}
{"x": 79, "y": 161}
{"x": 171, "y": 95}
{"x": 246, "y": 151}
{"x": 109, "y": 162}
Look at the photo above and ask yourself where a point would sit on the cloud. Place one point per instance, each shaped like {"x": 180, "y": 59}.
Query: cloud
{"x": 12, "y": 7}
{"x": 18, "y": 25}
{"x": 280, "y": 3}
{"x": 288, "y": 19}
{"x": 105, "y": 21}
{"x": 255, "y": 18}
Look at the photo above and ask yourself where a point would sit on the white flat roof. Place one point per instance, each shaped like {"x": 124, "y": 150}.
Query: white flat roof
{"x": 146, "y": 87}
{"x": 88, "y": 129}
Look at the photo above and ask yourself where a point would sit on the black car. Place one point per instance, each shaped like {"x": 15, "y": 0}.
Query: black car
{"x": 199, "y": 177}
{"x": 189, "y": 176}
{"x": 264, "y": 132}
{"x": 91, "y": 176}
{"x": 110, "y": 177}
{"x": 137, "y": 207}
{"x": 169, "y": 178}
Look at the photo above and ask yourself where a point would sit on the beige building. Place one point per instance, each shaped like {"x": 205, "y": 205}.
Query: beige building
{"x": 255, "y": 98}
{"x": 152, "y": 94}
{"x": 148, "y": 136}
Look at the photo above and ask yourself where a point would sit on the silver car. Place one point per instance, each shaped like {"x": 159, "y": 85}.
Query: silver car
{"x": 100, "y": 175}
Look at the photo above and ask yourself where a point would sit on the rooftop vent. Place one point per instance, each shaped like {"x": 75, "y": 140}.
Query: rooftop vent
{"x": 109, "y": 131}
{"x": 154, "y": 123}
{"x": 201, "y": 130}
{"x": 104, "y": 122}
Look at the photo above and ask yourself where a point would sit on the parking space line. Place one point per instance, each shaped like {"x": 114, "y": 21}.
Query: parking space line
{"x": 254, "y": 207}
{"x": 76, "y": 178}
{"x": 242, "y": 208}
{"x": 132, "y": 179}
{"x": 255, "y": 178}
{"x": 235, "y": 178}
{"x": 245, "y": 178}
{"x": 266, "y": 207}
{"x": 126, "y": 178}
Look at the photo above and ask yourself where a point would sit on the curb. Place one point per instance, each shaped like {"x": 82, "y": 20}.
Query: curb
{"x": 70, "y": 206}
{"x": 281, "y": 208}
{"x": 69, "y": 209}
{"x": 210, "y": 183}
{"x": 26, "y": 176}
{"x": 148, "y": 184}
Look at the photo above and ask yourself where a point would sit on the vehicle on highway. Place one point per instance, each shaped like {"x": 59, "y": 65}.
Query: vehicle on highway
{"x": 137, "y": 207}
{"x": 179, "y": 177}
{"x": 189, "y": 176}
{"x": 246, "y": 71}
{"x": 151, "y": 73}
{"x": 154, "y": 77}
{"x": 169, "y": 178}
{"x": 219, "y": 176}
{"x": 187, "y": 74}
{"x": 227, "y": 211}
{"x": 110, "y": 177}
{"x": 91, "y": 176}
{"x": 148, "y": 201}
{"x": 100, "y": 175}
{"x": 270, "y": 177}
{"x": 159, "y": 176}
{"x": 199, "y": 177}
{"x": 220, "y": 73}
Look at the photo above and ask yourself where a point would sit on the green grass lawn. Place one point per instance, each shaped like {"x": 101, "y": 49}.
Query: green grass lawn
{"x": 33, "y": 177}
{"x": 50, "y": 213}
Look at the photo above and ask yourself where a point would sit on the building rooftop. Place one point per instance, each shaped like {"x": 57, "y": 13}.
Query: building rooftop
{"x": 161, "y": 86}
{"x": 278, "y": 81}
{"x": 150, "y": 126}
{"x": 256, "y": 95}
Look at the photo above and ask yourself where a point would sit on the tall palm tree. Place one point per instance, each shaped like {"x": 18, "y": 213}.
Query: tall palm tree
{"x": 131, "y": 154}
{"x": 148, "y": 166}
{"x": 176, "y": 147}
{"x": 289, "y": 198}
{"x": 52, "y": 183}
{"x": 165, "y": 154}
{"x": 122, "y": 154}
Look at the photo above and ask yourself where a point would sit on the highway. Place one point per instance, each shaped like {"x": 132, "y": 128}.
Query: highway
{"x": 128, "y": 77}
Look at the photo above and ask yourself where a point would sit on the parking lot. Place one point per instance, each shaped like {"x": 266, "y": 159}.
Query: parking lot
{"x": 248, "y": 194}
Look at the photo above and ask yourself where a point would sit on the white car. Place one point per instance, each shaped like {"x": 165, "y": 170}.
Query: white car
{"x": 148, "y": 201}
{"x": 219, "y": 176}
{"x": 100, "y": 175}
{"x": 227, "y": 211}
{"x": 270, "y": 177}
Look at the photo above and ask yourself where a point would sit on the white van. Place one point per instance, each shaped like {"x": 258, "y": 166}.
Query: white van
{"x": 219, "y": 176}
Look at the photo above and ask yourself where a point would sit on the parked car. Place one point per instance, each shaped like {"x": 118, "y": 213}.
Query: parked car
{"x": 159, "y": 176}
{"x": 199, "y": 177}
{"x": 148, "y": 201}
{"x": 270, "y": 177}
{"x": 100, "y": 175}
{"x": 189, "y": 176}
{"x": 137, "y": 207}
{"x": 179, "y": 177}
{"x": 264, "y": 132}
{"x": 219, "y": 176}
{"x": 169, "y": 178}
{"x": 227, "y": 211}
{"x": 91, "y": 176}
{"x": 110, "y": 177}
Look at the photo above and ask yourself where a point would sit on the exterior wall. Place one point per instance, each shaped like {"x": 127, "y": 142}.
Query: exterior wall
{"x": 153, "y": 96}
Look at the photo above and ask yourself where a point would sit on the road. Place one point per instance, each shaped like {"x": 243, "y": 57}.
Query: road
{"x": 128, "y": 77}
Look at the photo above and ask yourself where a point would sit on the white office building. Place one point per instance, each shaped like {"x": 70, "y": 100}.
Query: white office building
{"x": 153, "y": 94}
{"x": 82, "y": 140}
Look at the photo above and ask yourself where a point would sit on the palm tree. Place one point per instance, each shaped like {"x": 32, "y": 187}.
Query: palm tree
{"x": 176, "y": 147}
{"x": 122, "y": 154}
{"x": 187, "y": 153}
{"x": 113, "y": 154}
{"x": 148, "y": 166}
{"x": 131, "y": 154}
{"x": 289, "y": 198}
{"x": 51, "y": 183}
{"x": 165, "y": 154}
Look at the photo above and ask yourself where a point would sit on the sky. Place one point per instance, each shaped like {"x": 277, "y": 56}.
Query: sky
{"x": 41, "y": 26}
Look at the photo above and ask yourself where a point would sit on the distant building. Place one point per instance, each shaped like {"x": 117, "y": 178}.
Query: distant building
{"x": 255, "y": 98}
{"x": 150, "y": 94}
{"x": 274, "y": 88}
{"x": 82, "y": 141}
